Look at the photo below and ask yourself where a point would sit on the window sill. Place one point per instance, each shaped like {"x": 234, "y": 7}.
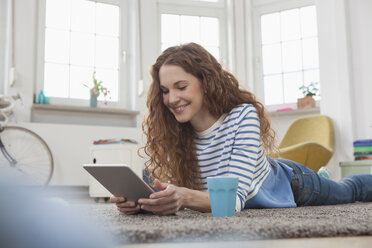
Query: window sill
{"x": 306, "y": 111}
{"x": 48, "y": 113}
{"x": 83, "y": 109}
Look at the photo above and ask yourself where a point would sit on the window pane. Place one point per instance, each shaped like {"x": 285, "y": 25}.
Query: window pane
{"x": 312, "y": 76}
{"x": 181, "y": 29}
{"x": 56, "y": 80}
{"x": 170, "y": 29}
{"x": 58, "y": 14}
{"x": 308, "y": 21}
{"x": 292, "y": 83}
{"x": 290, "y": 25}
{"x": 310, "y": 53}
{"x": 294, "y": 33}
{"x": 209, "y": 31}
{"x": 109, "y": 80}
{"x": 273, "y": 89}
{"x": 57, "y": 46}
{"x": 190, "y": 29}
{"x": 166, "y": 45}
{"x": 79, "y": 76}
{"x": 107, "y": 52}
{"x": 215, "y": 51}
{"x": 270, "y": 28}
{"x": 292, "y": 59}
{"x": 272, "y": 59}
{"x": 83, "y": 16}
{"x": 107, "y": 22}
{"x": 82, "y": 49}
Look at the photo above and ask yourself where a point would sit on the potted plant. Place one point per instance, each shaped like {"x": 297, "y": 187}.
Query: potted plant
{"x": 96, "y": 90}
{"x": 308, "y": 91}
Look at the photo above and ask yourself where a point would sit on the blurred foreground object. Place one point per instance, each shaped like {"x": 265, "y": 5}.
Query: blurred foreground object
{"x": 30, "y": 220}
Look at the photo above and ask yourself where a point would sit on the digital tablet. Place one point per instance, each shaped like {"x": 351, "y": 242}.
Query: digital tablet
{"x": 120, "y": 180}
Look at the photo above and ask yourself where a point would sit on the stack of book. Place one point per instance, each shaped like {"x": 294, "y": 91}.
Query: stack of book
{"x": 113, "y": 141}
{"x": 363, "y": 149}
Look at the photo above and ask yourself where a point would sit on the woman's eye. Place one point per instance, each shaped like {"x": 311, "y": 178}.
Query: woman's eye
{"x": 182, "y": 88}
{"x": 164, "y": 92}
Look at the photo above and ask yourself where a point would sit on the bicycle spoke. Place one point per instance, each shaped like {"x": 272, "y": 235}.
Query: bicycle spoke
{"x": 32, "y": 176}
{"x": 21, "y": 141}
{"x": 33, "y": 156}
{"x": 10, "y": 159}
{"x": 31, "y": 153}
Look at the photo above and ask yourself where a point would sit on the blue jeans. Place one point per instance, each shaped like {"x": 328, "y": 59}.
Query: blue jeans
{"x": 316, "y": 190}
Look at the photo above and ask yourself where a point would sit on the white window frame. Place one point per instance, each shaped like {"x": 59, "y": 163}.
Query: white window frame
{"x": 196, "y": 8}
{"x": 262, "y": 7}
{"x": 124, "y": 87}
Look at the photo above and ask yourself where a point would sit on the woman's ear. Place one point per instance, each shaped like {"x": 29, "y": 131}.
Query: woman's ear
{"x": 204, "y": 88}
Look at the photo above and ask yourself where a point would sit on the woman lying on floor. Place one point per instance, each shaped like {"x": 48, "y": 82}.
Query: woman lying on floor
{"x": 201, "y": 124}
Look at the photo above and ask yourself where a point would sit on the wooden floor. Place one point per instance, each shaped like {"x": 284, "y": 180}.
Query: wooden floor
{"x": 347, "y": 242}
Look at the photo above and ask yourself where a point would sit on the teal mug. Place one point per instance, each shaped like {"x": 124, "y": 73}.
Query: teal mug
{"x": 222, "y": 194}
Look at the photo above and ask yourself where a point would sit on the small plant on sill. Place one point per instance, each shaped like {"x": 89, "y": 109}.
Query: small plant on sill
{"x": 310, "y": 90}
{"x": 97, "y": 89}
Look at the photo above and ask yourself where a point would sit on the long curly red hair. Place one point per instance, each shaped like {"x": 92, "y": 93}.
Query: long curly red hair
{"x": 170, "y": 144}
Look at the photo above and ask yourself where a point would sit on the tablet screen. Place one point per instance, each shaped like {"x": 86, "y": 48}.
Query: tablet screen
{"x": 120, "y": 180}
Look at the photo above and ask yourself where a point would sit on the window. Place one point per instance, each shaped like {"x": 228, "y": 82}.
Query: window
{"x": 81, "y": 37}
{"x": 289, "y": 53}
{"x": 179, "y": 29}
{"x": 188, "y": 22}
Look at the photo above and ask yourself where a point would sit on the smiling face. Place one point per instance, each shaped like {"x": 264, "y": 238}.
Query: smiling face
{"x": 183, "y": 95}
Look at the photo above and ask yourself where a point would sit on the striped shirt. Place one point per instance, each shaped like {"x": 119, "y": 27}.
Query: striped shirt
{"x": 232, "y": 147}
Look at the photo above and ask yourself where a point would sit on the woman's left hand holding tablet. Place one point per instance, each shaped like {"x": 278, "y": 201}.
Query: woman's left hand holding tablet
{"x": 165, "y": 202}
{"x": 124, "y": 206}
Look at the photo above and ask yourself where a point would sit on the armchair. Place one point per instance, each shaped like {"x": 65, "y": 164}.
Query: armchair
{"x": 308, "y": 141}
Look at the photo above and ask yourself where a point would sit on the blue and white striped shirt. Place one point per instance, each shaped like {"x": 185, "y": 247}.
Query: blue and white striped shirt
{"x": 232, "y": 147}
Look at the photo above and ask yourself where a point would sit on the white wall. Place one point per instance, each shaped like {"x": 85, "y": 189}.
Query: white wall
{"x": 71, "y": 144}
{"x": 360, "y": 13}
{"x": 335, "y": 76}
{"x": 150, "y": 50}
{"x": 344, "y": 28}
{"x": 25, "y": 42}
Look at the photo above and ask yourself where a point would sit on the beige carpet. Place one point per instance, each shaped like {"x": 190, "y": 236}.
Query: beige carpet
{"x": 320, "y": 221}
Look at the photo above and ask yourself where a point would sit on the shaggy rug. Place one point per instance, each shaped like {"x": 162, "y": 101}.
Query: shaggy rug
{"x": 251, "y": 224}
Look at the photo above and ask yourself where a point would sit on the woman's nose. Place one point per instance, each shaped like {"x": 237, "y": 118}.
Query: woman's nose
{"x": 173, "y": 97}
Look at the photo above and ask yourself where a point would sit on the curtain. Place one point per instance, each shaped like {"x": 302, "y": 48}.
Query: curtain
{"x": 6, "y": 44}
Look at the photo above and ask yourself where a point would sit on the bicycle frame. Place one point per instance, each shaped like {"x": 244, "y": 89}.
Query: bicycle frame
{"x": 8, "y": 157}
{"x": 5, "y": 112}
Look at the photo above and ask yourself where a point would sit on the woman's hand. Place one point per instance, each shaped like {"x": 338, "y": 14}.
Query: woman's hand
{"x": 165, "y": 202}
{"x": 124, "y": 206}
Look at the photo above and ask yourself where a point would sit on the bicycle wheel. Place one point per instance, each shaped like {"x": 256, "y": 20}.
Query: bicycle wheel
{"x": 27, "y": 153}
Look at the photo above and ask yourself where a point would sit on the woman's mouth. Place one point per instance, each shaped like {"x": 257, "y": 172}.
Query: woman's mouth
{"x": 180, "y": 109}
